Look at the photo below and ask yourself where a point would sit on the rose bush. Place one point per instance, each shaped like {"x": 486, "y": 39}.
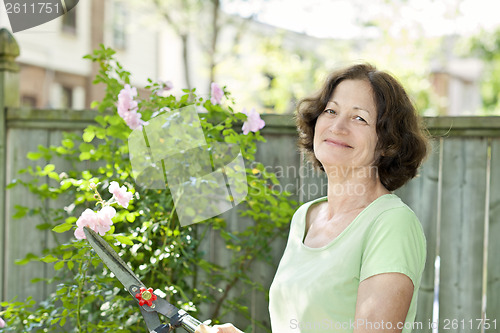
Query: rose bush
{"x": 144, "y": 227}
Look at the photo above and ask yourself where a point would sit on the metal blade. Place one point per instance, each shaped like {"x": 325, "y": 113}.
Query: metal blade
{"x": 112, "y": 260}
{"x": 166, "y": 309}
{"x": 151, "y": 319}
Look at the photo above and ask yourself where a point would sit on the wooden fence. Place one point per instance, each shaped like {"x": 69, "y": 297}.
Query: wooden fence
{"x": 456, "y": 197}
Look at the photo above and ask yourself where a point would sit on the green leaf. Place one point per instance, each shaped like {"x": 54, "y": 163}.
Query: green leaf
{"x": 71, "y": 219}
{"x": 62, "y": 227}
{"x": 124, "y": 240}
{"x": 29, "y": 257}
{"x": 20, "y": 211}
{"x": 86, "y": 175}
{"x": 59, "y": 265}
{"x": 34, "y": 156}
{"x": 54, "y": 175}
{"x": 48, "y": 259}
{"x": 49, "y": 168}
{"x": 88, "y": 134}
{"x": 86, "y": 147}
{"x": 65, "y": 184}
{"x": 84, "y": 156}
{"x": 68, "y": 143}
{"x": 130, "y": 217}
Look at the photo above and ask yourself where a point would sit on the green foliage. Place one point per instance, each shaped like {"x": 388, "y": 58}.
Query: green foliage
{"x": 486, "y": 46}
{"x": 170, "y": 258}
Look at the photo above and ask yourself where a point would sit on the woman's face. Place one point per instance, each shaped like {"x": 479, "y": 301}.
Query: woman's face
{"x": 345, "y": 132}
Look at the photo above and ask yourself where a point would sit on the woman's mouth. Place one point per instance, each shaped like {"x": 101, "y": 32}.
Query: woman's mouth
{"x": 337, "y": 143}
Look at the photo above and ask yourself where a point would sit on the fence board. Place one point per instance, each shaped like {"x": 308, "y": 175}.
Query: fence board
{"x": 22, "y": 237}
{"x": 421, "y": 195}
{"x": 493, "y": 281}
{"x": 462, "y": 227}
{"x": 279, "y": 154}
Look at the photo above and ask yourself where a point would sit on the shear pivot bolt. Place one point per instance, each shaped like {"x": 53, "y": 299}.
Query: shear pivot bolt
{"x": 146, "y": 296}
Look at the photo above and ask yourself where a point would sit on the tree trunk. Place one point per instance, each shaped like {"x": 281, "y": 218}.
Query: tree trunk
{"x": 213, "y": 44}
{"x": 185, "y": 59}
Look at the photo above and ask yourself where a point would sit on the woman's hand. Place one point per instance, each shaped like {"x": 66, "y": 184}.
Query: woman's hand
{"x": 226, "y": 328}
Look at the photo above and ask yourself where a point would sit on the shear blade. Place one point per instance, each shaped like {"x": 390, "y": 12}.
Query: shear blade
{"x": 112, "y": 260}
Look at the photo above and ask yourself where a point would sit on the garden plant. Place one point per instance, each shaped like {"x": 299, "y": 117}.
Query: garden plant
{"x": 140, "y": 223}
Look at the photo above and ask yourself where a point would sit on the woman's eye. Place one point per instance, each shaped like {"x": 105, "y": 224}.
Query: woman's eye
{"x": 330, "y": 111}
{"x": 360, "y": 119}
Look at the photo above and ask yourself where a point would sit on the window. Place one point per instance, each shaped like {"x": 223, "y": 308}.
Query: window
{"x": 119, "y": 25}
{"x": 28, "y": 101}
{"x": 66, "y": 97}
{"x": 69, "y": 21}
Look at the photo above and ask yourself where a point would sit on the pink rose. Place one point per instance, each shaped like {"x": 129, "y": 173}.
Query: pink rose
{"x": 133, "y": 120}
{"x": 104, "y": 222}
{"x": 126, "y": 101}
{"x": 87, "y": 219}
{"x": 100, "y": 222}
{"x": 253, "y": 122}
{"x": 127, "y": 107}
{"x": 167, "y": 85}
{"x": 121, "y": 194}
{"x": 217, "y": 93}
{"x": 2, "y": 323}
{"x": 164, "y": 87}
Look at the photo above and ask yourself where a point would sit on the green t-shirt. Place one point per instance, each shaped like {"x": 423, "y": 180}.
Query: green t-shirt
{"x": 315, "y": 289}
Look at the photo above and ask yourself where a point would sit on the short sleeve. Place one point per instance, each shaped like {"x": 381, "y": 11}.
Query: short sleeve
{"x": 395, "y": 244}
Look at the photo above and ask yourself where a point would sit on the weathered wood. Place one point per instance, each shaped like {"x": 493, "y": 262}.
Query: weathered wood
{"x": 493, "y": 277}
{"x": 50, "y": 119}
{"x": 9, "y": 97}
{"x": 278, "y": 155}
{"x": 22, "y": 237}
{"x": 462, "y": 227}
{"x": 421, "y": 195}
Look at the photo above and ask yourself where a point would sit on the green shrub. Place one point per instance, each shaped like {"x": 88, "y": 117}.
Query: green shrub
{"x": 147, "y": 234}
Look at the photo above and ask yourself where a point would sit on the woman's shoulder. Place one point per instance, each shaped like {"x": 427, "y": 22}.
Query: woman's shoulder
{"x": 389, "y": 205}
{"x": 308, "y": 206}
{"x": 394, "y": 214}
{"x": 303, "y": 213}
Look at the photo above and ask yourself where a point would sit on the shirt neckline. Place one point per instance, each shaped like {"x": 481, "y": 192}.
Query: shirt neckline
{"x": 333, "y": 241}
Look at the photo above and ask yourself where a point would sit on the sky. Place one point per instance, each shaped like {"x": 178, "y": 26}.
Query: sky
{"x": 337, "y": 18}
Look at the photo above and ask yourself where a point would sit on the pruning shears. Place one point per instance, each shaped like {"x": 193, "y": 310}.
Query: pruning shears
{"x": 149, "y": 303}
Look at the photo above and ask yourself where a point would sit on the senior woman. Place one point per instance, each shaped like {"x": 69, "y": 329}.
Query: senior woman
{"x": 354, "y": 259}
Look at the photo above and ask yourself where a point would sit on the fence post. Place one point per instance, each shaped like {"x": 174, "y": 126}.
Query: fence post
{"x": 9, "y": 97}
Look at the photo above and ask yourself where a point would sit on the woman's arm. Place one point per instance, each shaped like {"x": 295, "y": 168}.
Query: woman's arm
{"x": 383, "y": 302}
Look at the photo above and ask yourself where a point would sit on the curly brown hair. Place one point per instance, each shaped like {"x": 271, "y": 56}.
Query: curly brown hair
{"x": 402, "y": 141}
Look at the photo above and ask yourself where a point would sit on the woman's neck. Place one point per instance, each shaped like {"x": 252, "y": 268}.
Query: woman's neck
{"x": 351, "y": 189}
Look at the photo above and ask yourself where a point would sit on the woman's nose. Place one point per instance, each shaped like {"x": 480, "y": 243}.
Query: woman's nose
{"x": 339, "y": 125}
